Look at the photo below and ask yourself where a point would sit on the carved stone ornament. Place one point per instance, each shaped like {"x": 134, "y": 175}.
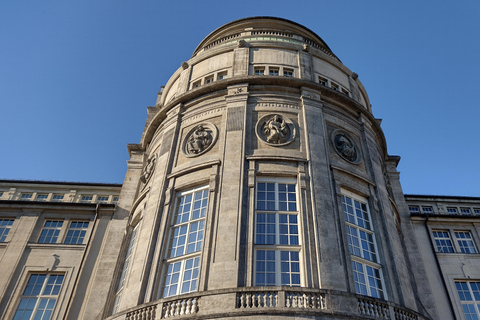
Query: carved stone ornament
{"x": 148, "y": 170}
{"x": 345, "y": 146}
{"x": 199, "y": 139}
{"x": 275, "y": 130}
{"x": 242, "y": 43}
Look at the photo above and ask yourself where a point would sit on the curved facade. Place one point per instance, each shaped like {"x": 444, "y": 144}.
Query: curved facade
{"x": 262, "y": 187}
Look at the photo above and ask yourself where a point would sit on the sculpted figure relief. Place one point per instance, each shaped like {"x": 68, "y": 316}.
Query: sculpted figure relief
{"x": 148, "y": 170}
{"x": 199, "y": 140}
{"x": 276, "y": 130}
{"x": 345, "y": 147}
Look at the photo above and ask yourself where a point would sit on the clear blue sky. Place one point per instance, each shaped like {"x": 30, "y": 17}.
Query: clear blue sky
{"x": 76, "y": 78}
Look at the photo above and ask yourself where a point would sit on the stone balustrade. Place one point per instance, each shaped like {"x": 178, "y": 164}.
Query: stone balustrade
{"x": 261, "y": 301}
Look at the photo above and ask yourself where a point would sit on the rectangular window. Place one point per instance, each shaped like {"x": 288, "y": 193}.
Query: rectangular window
{"x": 39, "y": 297}
{"x": 345, "y": 92}
{"x": 86, "y": 199}
{"x": 50, "y": 231}
{"x": 368, "y": 280}
{"x": 469, "y": 294}
{"x": 287, "y": 72}
{"x": 126, "y": 264}
{"x": 222, "y": 75}
{"x": 443, "y": 241}
{"x": 209, "y": 79}
{"x": 452, "y": 210}
{"x": 76, "y": 232}
{"x": 273, "y": 71}
{"x": 334, "y": 86}
{"x": 465, "y": 242}
{"x": 115, "y": 200}
{"x": 5, "y": 225}
{"x": 476, "y": 211}
{"x": 57, "y": 197}
{"x": 102, "y": 199}
{"x": 186, "y": 242}
{"x": 277, "y": 245}
{"x": 367, "y": 273}
{"x": 322, "y": 81}
{"x": 414, "y": 209}
{"x": 41, "y": 197}
{"x": 465, "y": 211}
{"x": 26, "y": 196}
{"x": 1, "y": 194}
{"x": 427, "y": 210}
{"x": 259, "y": 71}
{"x": 196, "y": 84}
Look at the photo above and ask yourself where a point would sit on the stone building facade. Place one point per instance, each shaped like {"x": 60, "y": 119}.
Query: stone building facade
{"x": 261, "y": 187}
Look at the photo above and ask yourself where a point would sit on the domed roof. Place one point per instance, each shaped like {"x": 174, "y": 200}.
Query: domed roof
{"x": 263, "y": 26}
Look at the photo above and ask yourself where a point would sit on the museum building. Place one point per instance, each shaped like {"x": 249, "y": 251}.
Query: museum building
{"x": 261, "y": 188}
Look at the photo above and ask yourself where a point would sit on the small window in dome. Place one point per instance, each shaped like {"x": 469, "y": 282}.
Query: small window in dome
{"x": 209, "y": 79}
{"x": 273, "y": 71}
{"x": 287, "y": 72}
{"x": 322, "y": 81}
{"x": 222, "y": 75}
{"x": 259, "y": 71}
{"x": 196, "y": 84}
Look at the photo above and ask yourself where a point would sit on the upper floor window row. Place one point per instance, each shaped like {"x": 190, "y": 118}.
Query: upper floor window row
{"x": 462, "y": 243}
{"x": 414, "y": 209}
{"x": 53, "y": 230}
{"x": 273, "y": 71}
{"x": 324, "y": 81}
{"x": 221, "y": 75}
{"x": 60, "y": 197}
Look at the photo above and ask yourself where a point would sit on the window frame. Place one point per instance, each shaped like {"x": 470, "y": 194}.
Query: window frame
{"x": 5, "y": 228}
{"x": 470, "y": 239}
{"x": 278, "y": 248}
{"x": 85, "y": 231}
{"x": 361, "y": 260}
{"x": 439, "y": 239}
{"x": 473, "y": 302}
{"x": 58, "y": 228}
{"x": 131, "y": 248}
{"x": 454, "y": 240}
{"x": 171, "y": 261}
{"x": 41, "y": 294}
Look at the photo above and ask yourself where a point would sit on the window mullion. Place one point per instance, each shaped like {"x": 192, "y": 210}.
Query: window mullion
{"x": 180, "y": 276}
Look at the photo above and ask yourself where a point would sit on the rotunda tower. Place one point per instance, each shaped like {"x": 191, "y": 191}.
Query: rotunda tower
{"x": 262, "y": 187}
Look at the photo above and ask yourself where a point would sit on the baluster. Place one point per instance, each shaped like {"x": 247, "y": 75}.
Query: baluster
{"x": 194, "y": 306}
{"x": 182, "y": 307}
{"x": 249, "y": 300}
{"x": 288, "y": 302}
{"x": 242, "y": 300}
{"x": 270, "y": 300}
{"x": 276, "y": 299}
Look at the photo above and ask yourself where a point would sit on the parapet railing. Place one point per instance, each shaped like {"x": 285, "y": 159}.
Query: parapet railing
{"x": 261, "y": 300}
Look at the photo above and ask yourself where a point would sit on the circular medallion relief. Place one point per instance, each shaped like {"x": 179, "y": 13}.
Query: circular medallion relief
{"x": 199, "y": 139}
{"x": 275, "y": 130}
{"x": 345, "y": 146}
